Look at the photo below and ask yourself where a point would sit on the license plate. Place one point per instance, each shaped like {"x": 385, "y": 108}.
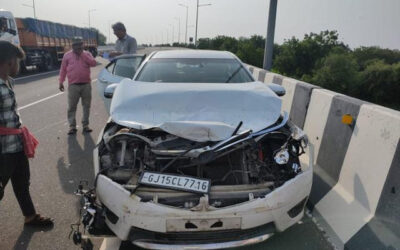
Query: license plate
{"x": 177, "y": 182}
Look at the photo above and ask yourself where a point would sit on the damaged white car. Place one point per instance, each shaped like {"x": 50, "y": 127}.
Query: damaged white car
{"x": 196, "y": 155}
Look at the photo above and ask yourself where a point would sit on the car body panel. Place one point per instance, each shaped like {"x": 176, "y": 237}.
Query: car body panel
{"x": 192, "y": 111}
{"x": 110, "y": 75}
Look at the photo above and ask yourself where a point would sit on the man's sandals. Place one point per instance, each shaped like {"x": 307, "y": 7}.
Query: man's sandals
{"x": 87, "y": 130}
{"x": 40, "y": 221}
{"x": 72, "y": 131}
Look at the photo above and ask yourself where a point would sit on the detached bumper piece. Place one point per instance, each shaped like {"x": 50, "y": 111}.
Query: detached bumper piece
{"x": 201, "y": 240}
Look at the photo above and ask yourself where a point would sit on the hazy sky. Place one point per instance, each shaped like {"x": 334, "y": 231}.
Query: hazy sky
{"x": 359, "y": 22}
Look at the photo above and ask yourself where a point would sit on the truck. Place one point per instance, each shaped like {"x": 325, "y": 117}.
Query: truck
{"x": 44, "y": 42}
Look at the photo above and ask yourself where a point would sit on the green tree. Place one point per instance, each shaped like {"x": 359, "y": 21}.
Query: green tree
{"x": 381, "y": 83}
{"x": 337, "y": 72}
{"x": 368, "y": 73}
{"x": 249, "y": 53}
{"x": 204, "y": 43}
{"x": 364, "y": 55}
{"x": 297, "y": 58}
{"x": 230, "y": 44}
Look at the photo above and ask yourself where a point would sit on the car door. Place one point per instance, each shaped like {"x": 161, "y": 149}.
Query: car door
{"x": 118, "y": 69}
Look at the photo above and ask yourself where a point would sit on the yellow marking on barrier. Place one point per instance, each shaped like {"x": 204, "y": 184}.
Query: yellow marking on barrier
{"x": 347, "y": 119}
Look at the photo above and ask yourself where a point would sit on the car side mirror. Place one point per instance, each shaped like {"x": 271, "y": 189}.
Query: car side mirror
{"x": 109, "y": 91}
{"x": 278, "y": 89}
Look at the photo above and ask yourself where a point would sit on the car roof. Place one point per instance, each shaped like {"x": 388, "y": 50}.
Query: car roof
{"x": 129, "y": 56}
{"x": 189, "y": 53}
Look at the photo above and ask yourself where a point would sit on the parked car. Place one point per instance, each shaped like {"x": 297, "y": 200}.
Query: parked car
{"x": 196, "y": 154}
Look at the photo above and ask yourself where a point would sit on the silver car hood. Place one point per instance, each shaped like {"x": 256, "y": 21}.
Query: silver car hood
{"x": 195, "y": 111}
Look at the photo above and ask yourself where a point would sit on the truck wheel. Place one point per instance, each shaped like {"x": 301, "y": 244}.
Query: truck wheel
{"x": 22, "y": 67}
{"x": 47, "y": 63}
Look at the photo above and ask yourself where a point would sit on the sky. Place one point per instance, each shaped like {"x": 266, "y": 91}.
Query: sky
{"x": 358, "y": 22}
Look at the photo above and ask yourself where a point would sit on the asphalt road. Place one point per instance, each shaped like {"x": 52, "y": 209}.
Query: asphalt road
{"x": 62, "y": 161}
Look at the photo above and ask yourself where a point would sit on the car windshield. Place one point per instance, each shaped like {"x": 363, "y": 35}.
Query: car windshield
{"x": 194, "y": 70}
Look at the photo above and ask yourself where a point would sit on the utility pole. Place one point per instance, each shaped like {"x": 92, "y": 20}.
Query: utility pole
{"x": 269, "y": 40}
{"x": 109, "y": 30}
{"x": 89, "y": 15}
{"x": 187, "y": 15}
{"x": 197, "y": 22}
{"x": 33, "y": 6}
{"x": 197, "y": 19}
{"x": 179, "y": 29}
{"x": 173, "y": 33}
{"x": 34, "y": 9}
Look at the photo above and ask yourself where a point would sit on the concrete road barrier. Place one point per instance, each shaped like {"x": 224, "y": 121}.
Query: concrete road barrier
{"x": 351, "y": 204}
{"x": 355, "y": 194}
{"x": 297, "y": 97}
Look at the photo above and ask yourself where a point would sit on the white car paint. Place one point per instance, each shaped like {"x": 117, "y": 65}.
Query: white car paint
{"x": 108, "y": 76}
{"x": 193, "y": 110}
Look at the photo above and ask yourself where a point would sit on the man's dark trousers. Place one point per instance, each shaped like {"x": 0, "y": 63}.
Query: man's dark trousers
{"x": 15, "y": 166}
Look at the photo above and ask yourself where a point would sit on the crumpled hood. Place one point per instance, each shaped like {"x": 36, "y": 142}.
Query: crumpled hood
{"x": 195, "y": 111}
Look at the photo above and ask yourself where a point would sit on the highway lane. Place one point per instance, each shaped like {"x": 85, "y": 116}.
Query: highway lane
{"x": 62, "y": 161}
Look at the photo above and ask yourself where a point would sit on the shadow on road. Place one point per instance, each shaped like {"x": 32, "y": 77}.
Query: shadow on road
{"x": 25, "y": 237}
{"x": 24, "y": 79}
{"x": 78, "y": 166}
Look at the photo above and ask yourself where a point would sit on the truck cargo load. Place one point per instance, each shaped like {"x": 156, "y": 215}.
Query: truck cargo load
{"x": 44, "y": 42}
{"x": 33, "y": 32}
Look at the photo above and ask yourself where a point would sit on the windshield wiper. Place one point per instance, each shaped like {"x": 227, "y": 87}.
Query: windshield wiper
{"x": 234, "y": 73}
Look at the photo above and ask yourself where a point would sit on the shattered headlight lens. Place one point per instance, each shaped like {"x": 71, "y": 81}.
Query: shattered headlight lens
{"x": 282, "y": 157}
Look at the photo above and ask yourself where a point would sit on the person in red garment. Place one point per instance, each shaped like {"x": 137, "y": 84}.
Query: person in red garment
{"x": 76, "y": 66}
{"x": 16, "y": 143}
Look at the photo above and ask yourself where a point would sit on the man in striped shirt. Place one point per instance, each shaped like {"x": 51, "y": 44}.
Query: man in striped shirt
{"x": 14, "y": 163}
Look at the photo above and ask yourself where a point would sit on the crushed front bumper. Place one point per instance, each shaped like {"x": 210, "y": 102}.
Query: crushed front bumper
{"x": 221, "y": 245}
{"x": 128, "y": 217}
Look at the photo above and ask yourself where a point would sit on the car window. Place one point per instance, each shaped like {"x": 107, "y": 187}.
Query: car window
{"x": 194, "y": 70}
{"x": 126, "y": 67}
{"x": 110, "y": 67}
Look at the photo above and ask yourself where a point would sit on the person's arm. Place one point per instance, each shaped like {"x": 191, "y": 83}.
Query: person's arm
{"x": 115, "y": 53}
{"x": 88, "y": 58}
{"x": 63, "y": 73}
{"x": 132, "y": 46}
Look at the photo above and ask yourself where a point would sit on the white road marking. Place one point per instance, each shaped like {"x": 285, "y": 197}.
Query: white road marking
{"x": 44, "y": 99}
{"x": 39, "y": 101}
{"x": 42, "y": 74}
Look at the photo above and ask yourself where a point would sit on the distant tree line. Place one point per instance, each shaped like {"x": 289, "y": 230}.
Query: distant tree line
{"x": 367, "y": 73}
